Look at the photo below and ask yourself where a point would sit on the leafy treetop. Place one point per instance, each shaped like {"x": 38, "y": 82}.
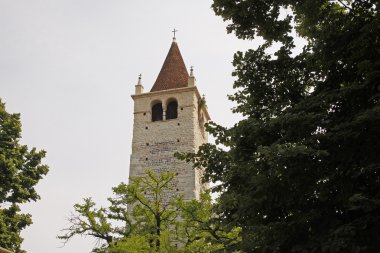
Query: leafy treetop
{"x": 144, "y": 216}
{"x": 301, "y": 172}
{"x": 20, "y": 170}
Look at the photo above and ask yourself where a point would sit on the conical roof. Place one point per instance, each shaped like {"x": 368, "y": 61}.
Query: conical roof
{"x": 173, "y": 73}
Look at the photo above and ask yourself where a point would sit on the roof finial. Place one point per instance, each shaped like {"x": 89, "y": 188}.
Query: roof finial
{"x": 174, "y": 31}
{"x": 139, "y": 89}
{"x": 139, "y": 82}
{"x": 191, "y": 71}
{"x": 191, "y": 79}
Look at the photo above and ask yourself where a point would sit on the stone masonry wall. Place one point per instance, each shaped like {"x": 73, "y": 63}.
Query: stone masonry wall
{"x": 154, "y": 143}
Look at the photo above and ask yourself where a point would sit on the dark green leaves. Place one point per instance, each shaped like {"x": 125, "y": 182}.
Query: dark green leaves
{"x": 20, "y": 171}
{"x": 300, "y": 173}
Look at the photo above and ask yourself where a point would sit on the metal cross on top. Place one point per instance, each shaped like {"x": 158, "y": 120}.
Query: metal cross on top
{"x": 174, "y": 31}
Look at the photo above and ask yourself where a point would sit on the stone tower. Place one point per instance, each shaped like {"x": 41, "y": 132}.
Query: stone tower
{"x": 168, "y": 119}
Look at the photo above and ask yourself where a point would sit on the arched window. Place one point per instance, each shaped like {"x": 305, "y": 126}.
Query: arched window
{"x": 157, "y": 112}
{"x": 171, "y": 110}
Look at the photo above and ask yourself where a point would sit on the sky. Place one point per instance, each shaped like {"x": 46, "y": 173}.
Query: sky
{"x": 70, "y": 66}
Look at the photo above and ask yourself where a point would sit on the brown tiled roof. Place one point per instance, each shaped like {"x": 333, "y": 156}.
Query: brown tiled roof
{"x": 173, "y": 73}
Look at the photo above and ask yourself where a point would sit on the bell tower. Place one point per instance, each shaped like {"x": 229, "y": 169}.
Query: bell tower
{"x": 168, "y": 119}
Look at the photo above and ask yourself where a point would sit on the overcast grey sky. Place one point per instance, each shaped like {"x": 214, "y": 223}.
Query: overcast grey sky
{"x": 70, "y": 66}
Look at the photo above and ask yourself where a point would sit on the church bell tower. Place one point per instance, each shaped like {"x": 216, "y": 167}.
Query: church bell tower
{"x": 168, "y": 119}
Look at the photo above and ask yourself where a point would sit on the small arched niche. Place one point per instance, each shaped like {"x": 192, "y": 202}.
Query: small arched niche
{"x": 157, "y": 112}
{"x": 172, "y": 109}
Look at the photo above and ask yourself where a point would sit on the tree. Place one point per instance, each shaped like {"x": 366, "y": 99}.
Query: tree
{"x": 143, "y": 225}
{"x": 301, "y": 170}
{"x": 143, "y": 216}
{"x": 20, "y": 171}
{"x": 200, "y": 230}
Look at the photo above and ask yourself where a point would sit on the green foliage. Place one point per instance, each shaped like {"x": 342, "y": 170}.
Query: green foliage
{"x": 20, "y": 171}
{"x": 132, "y": 244}
{"x": 144, "y": 217}
{"x": 301, "y": 170}
{"x": 152, "y": 212}
{"x": 200, "y": 231}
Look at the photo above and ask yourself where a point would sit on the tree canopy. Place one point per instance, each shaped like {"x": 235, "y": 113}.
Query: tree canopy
{"x": 147, "y": 216}
{"x": 301, "y": 170}
{"x": 20, "y": 170}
